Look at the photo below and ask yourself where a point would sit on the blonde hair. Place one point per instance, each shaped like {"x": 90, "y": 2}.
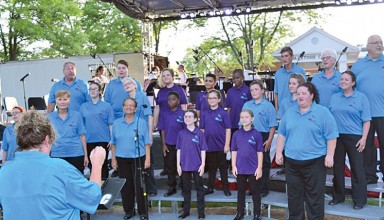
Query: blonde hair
{"x": 160, "y": 81}
{"x": 62, "y": 93}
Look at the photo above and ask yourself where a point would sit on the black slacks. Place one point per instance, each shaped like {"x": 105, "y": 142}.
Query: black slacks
{"x": 77, "y": 162}
{"x": 346, "y": 144}
{"x": 370, "y": 152}
{"x": 255, "y": 189}
{"x": 187, "y": 187}
{"x": 170, "y": 165}
{"x": 128, "y": 169}
{"x": 104, "y": 169}
{"x": 217, "y": 159}
{"x": 266, "y": 166}
{"x": 305, "y": 183}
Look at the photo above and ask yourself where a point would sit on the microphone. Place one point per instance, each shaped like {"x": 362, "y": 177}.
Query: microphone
{"x": 195, "y": 51}
{"x": 302, "y": 54}
{"x": 54, "y": 80}
{"x": 26, "y": 75}
{"x": 93, "y": 55}
{"x": 344, "y": 50}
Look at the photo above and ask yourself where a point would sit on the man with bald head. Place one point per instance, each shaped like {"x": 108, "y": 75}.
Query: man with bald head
{"x": 370, "y": 80}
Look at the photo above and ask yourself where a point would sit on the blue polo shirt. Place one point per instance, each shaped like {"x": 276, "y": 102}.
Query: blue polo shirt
{"x": 264, "y": 114}
{"x": 370, "y": 81}
{"x": 68, "y": 132}
{"x": 282, "y": 80}
{"x": 123, "y": 137}
{"x": 236, "y": 97}
{"x": 35, "y": 186}
{"x": 9, "y": 141}
{"x": 142, "y": 99}
{"x": 285, "y": 105}
{"x": 247, "y": 144}
{"x": 190, "y": 144}
{"x": 171, "y": 123}
{"x": 162, "y": 97}
{"x": 78, "y": 90}
{"x": 215, "y": 122}
{"x": 115, "y": 95}
{"x": 307, "y": 134}
{"x": 350, "y": 112}
{"x": 97, "y": 118}
{"x": 327, "y": 86}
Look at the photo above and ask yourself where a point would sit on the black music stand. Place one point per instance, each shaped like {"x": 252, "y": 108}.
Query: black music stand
{"x": 110, "y": 189}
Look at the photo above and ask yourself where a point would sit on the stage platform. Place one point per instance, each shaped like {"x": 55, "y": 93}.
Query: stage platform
{"x": 165, "y": 216}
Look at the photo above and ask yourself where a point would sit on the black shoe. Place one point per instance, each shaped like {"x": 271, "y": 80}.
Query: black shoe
{"x": 115, "y": 174}
{"x": 227, "y": 192}
{"x": 257, "y": 217}
{"x": 281, "y": 172}
{"x": 152, "y": 194}
{"x": 371, "y": 181}
{"x": 208, "y": 191}
{"x": 170, "y": 192}
{"x": 183, "y": 215}
{"x": 201, "y": 217}
{"x": 262, "y": 195}
{"x": 334, "y": 202}
{"x": 129, "y": 216}
{"x": 143, "y": 217}
{"x": 248, "y": 193}
{"x": 239, "y": 216}
{"x": 358, "y": 207}
{"x": 163, "y": 173}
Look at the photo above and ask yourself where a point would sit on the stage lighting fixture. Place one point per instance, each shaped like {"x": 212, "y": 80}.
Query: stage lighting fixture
{"x": 211, "y": 13}
{"x": 202, "y": 14}
{"x": 372, "y": 1}
{"x": 183, "y": 15}
{"x": 248, "y": 9}
{"x": 349, "y": 2}
{"x": 337, "y": 2}
{"x": 218, "y": 12}
{"x": 192, "y": 14}
{"x": 238, "y": 10}
{"x": 228, "y": 11}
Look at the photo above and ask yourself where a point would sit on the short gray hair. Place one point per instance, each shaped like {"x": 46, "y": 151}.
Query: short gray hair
{"x": 329, "y": 52}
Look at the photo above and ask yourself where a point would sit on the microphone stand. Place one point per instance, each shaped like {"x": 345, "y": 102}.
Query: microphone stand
{"x": 25, "y": 98}
{"x": 342, "y": 52}
{"x": 142, "y": 172}
{"x": 300, "y": 57}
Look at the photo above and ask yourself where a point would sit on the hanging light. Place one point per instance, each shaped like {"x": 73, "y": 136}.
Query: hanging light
{"x": 192, "y": 14}
{"x": 248, "y": 9}
{"x": 228, "y": 11}
{"x": 238, "y": 10}
{"x": 183, "y": 15}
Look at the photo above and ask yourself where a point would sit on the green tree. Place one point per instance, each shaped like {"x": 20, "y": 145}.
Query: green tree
{"x": 109, "y": 30}
{"x": 248, "y": 40}
{"x": 24, "y": 23}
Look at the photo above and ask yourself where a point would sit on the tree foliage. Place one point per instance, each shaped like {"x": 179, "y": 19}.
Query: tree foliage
{"x": 70, "y": 27}
{"x": 246, "y": 41}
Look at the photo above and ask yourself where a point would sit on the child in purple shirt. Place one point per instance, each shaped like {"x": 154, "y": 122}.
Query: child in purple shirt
{"x": 247, "y": 163}
{"x": 216, "y": 125}
{"x": 169, "y": 126}
{"x": 191, "y": 147}
{"x": 236, "y": 97}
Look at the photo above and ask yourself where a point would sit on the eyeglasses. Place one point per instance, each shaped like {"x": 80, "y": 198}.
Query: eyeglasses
{"x": 211, "y": 98}
{"x": 326, "y": 58}
{"x": 189, "y": 116}
{"x": 15, "y": 113}
{"x": 376, "y": 43}
{"x": 93, "y": 89}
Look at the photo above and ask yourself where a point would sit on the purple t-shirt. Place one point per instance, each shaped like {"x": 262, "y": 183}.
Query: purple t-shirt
{"x": 162, "y": 97}
{"x": 215, "y": 122}
{"x": 191, "y": 143}
{"x": 247, "y": 144}
{"x": 201, "y": 102}
{"x": 171, "y": 123}
{"x": 236, "y": 98}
